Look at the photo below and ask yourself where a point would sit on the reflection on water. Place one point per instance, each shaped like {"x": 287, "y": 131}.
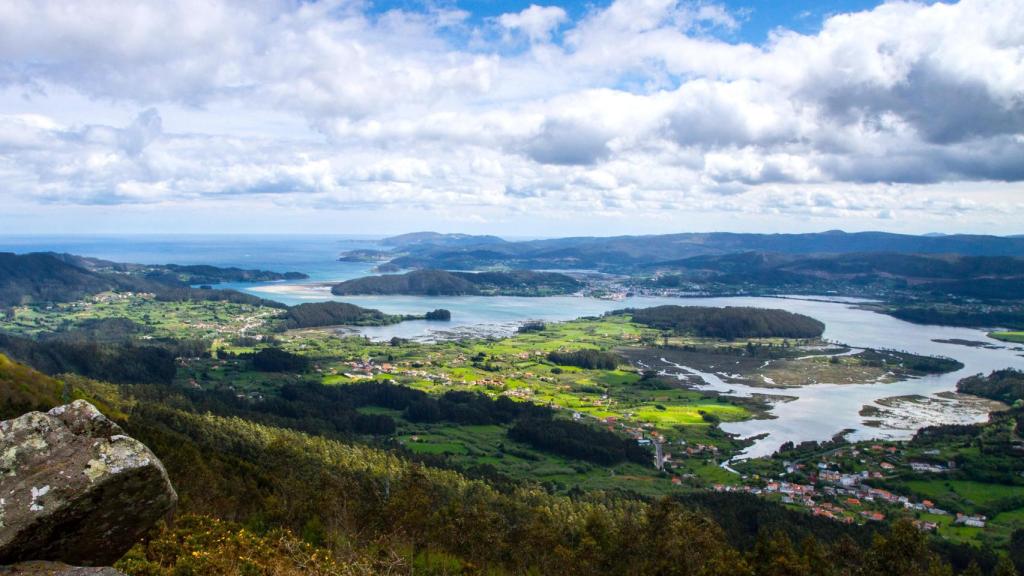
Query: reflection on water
{"x": 817, "y": 413}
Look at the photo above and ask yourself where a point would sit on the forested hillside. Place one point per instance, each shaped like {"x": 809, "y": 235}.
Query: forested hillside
{"x": 22, "y": 389}
{"x": 121, "y": 362}
{"x": 981, "y": 277}
{"x": 42, "y": 277}
{"x": 314, "y": 314}
{"x": 1002, "y": 385}
{"x": 419, "y": 282}
{"x": 444, "y": 283}
{"x": 729, "y": 322}
{"x": 47, "y": 277}
{"x": 175, "y": 273}
{"x": 201, "y": 274}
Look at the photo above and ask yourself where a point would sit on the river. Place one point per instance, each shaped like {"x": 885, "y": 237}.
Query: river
{"x": 817, "y": 413}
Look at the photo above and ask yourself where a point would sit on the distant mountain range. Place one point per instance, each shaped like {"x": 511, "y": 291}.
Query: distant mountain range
{"x": 438, "y": 239}
{"x": 624, "y": 253}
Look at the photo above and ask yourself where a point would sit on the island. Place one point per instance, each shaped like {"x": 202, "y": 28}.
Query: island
{"x": 445, "y": 283}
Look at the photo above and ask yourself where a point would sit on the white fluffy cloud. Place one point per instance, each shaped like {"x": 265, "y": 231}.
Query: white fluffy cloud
{"x": 637, "y": 106}
{"x": 536, "y": 22}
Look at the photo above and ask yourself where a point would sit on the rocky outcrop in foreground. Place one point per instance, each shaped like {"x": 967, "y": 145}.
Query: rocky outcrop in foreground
{"x": 55, "y": 569}
{"x": 74, "y": 488}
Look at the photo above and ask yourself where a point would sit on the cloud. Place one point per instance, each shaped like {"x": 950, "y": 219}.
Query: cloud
{"x": 638, "y": 105}
{"x": 146, "y": 128}
{"x": 536, "y": 22}
{"x": 568, "y": 142}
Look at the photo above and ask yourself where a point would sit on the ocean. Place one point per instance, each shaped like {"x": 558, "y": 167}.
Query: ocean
{"x": 316, "y": 255}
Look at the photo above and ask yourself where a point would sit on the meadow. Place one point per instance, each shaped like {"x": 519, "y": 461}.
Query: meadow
{"x": 1016, "y": 337}
{"x": 182, "y": 320}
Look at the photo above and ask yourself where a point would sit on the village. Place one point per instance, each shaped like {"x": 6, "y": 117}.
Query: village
{"x": 821, "y": 488}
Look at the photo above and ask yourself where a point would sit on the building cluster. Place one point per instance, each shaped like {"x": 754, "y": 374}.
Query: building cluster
{"x": 847, "y": 497}
{"x": 442, "y": 379}
{"x": 116, "y": 296}
{"x": 359, "y": 370}
{"x": 974, "y": 521}
{"x": 520, "y": 393}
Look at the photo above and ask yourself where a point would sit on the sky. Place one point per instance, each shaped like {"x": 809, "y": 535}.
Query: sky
{"x": 511, "y": 117}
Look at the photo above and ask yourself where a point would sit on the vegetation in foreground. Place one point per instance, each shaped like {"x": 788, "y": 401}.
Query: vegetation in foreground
{"x": 305, "y": 451}
{"x": 263, "y": 499}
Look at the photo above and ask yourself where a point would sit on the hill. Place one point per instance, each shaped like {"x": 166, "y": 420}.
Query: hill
{"x": 626, "y": 252}
{"x": 437, "y": 239}
{"x": 444, "y": 283}
{"x": 22, "y": 389}
{"x": 315, "y": 314}
{"x": 419, "y": 282}
{"x": 43, "y": 277}
{"x": 125, "y": 363}
{"x": 981, "y": 277}
{"x": 202, "y": 274}
{"x": 176, "y": 273}
{"x": 729, "y": 323}
{"x": 1002, "y": 385}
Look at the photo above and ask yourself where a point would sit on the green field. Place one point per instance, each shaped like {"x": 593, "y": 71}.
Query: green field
{"x": 1012, "y": 518}
{"x": 968, "y": 493}
{"x": 179, "y": 320}
{"x": 476, "y": 447}
{"x": 1016, "y": 337}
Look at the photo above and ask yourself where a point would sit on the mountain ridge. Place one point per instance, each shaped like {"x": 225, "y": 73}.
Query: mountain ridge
{"x": 622, "y": 252}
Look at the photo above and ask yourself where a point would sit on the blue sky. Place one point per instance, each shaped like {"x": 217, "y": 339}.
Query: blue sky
{"x": 515, "y": 118}
{"x": 758, "y": 18}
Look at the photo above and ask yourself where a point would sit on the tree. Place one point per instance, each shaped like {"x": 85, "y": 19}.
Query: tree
{"x": 440, "y": 314}
{"x": 972, "y": 570}
{"x": 904, "y": 552}
{"x": 277, "y": 360}
{"x": 774, "y": 555}
{"x": 1004, "y": 567}
{"x": 681, "y": 542}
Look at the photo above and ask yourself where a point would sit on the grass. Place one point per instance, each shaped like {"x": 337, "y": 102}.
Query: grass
{"x": 1012, "y": 518}
{"x": 180, "y": 320}
{"x": 469, "y": 447}
{"x": 969, "y": 493}
{"x": 952, "y": 532}
{"x": 688, "y": 414}
{"x": 1016, "y": 337}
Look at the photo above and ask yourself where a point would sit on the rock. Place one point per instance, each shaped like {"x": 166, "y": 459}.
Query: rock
{"x": 74, "y": 488}
{"x": 55, "y": 569}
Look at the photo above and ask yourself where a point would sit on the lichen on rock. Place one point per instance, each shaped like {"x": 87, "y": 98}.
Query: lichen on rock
{"x": 74, "y": 488}
{"x": 37, "y": 568}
